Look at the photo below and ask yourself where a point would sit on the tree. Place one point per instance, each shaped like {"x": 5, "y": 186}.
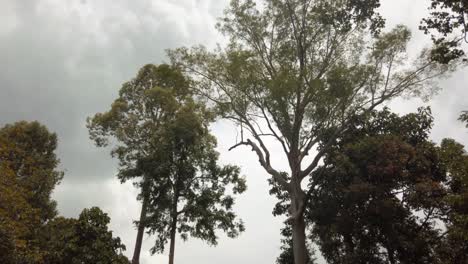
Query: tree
{"x": 386, "y": 194}
{"x": 163, "y": 137}
{"x": 133, "y": 121}
{"x": 448, "y": 27}
{"x": 31, "y": 156}
{"x": 28, "y": 175}
{"x": 382, "y": 174}
{"x": 30, "y": 232}
{"x": 190, "y": 192}
{"x": 83, "y": 240}
{"x": 297, "y": 69}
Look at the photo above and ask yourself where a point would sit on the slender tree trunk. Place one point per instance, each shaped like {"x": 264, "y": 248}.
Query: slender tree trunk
{"x": 141, "y": 229}
{"x": 174, "y": 215}
{"x": 173, "y": 224}
{"x": 173, "y": 237}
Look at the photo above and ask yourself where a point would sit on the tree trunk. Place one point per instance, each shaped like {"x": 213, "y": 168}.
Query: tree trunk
{"x": 173, "y": 236}
{"x": 174, "y": 215}
{"x": 141, "y": 229}
{"x": 299, "y": 241}
{"x": 173, "y": 224}
{"x": 298, "y": 225}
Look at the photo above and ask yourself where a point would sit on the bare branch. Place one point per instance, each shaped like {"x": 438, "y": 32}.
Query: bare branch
{"x": 266, "y": 165}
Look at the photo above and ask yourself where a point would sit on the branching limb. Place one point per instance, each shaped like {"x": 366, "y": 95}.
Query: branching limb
{"x": 266, "y": 165}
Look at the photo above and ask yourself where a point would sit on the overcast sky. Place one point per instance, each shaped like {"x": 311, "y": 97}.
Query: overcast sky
{"x": 62, "y": 61}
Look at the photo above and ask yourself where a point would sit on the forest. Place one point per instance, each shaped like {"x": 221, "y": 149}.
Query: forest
{"x": 309, "y": 82}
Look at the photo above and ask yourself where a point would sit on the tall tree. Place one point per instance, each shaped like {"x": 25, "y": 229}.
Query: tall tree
{"x": 190, "y": 193}
{"x": 162, "y": 137}
{"x": 295, "y": 70}
{"x": 133, "y": 121}
{"x": 28, "y": 175}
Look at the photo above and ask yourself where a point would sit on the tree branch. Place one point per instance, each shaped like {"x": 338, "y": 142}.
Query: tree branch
{"x": 266, "y": 165}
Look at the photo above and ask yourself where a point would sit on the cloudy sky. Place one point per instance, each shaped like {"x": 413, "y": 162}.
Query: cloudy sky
{"x": 62, "y": 61}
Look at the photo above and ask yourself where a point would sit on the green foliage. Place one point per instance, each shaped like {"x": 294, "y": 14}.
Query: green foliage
{"x": 162, "y": 134}
{"x": 28, "y": 175}
{"x": 30, "y": 232}
{"x": 386, "y": 194}
{"x": 381, "y": 172}
{"x": 83, "y": 240}
{"x": 189, "y": 190}
{"x": 374, "y": 178}
{"x": 19, "y": 221}
{"x": 143, "y": 103}
{"x": 30, "y": 154}
{"x": 298, "y": 71}
{"x": 456, "y": 218}
{"x": 448, "y": 28}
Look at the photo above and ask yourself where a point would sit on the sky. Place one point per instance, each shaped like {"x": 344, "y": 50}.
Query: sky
{"x": 63, "y": 61}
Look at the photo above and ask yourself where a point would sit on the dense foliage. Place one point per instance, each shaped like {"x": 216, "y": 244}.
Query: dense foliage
{"x": 83, "y": 240}
{"x": 133, "y": 122}
{"x": 189, "y": 192}
{"x": 380, "y": 174}
{"x": 294, "y": 70}
{"x": 163, "y": 137}
{"x": 30, "y": 231}
{"x": 28, "y": 175}
{"x": 387, "y": 194}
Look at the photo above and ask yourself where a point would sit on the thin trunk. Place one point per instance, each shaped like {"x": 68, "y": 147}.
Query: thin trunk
{"x": 141, "y": 229}
{"x": 173, "y": 236}
{"x": 174, "y": 215}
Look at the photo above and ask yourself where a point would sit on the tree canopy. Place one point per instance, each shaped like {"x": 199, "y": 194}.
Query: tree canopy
{"x": 131, "y": 126}
{"x": 29, "y": 151}
{"x": 387, "y": 194}
{"x": 162, "y": 135}
{"x": 83, "y": 240}
{"x": 30, "y": 231}
{"x": 295, "y": 70}
{"x": 190, "y": 193}
{"x": 28, "y": 175}
{"x": 380, "y": 174}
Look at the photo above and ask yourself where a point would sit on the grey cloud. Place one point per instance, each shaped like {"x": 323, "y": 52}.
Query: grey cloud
{"x": 64, "y": 62}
